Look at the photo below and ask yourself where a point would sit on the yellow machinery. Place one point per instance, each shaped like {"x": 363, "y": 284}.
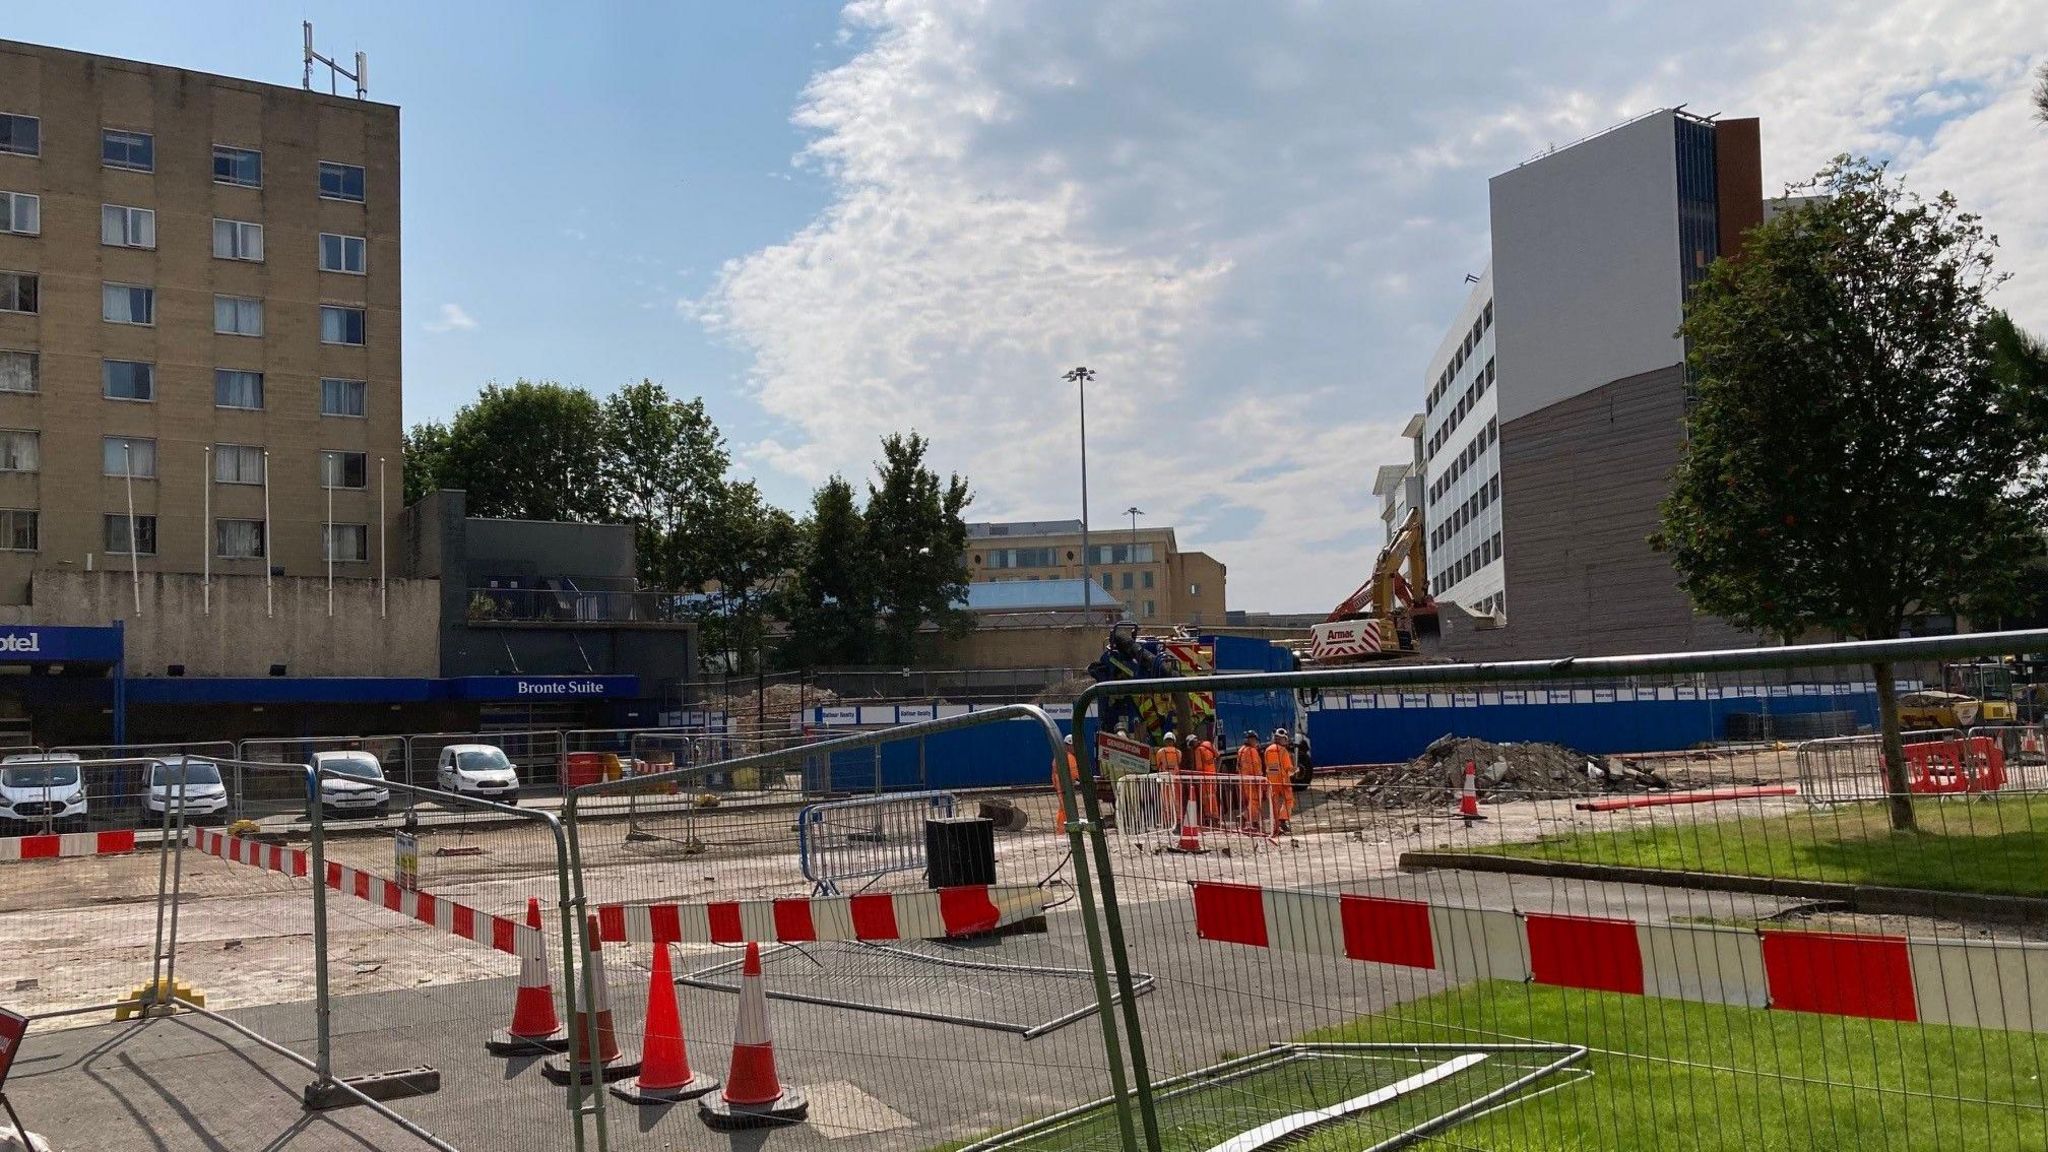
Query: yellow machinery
{"x": 1381, "y": 620}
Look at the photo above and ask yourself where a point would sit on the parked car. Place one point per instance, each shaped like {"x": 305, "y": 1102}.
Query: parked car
{"x": 481, "y": 771}
{"x": 203, "y": 793}
{"x": 352, "y": 784}
{"x": 40, "y": 787}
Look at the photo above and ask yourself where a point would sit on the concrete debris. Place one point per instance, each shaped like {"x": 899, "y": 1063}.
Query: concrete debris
{"x": 1501, "y": 772}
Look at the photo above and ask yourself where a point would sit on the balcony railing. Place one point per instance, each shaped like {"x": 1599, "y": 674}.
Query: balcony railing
{"x": 573, "y": 607}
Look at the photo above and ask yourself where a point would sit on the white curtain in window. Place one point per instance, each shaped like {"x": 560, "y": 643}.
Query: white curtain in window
{"x": 20, "y": 452}
{"x": 234, "y": 538}
{"x": 17, "y": 372}
{"x": 238, "y": 464}
{"x": 119, "y": 454}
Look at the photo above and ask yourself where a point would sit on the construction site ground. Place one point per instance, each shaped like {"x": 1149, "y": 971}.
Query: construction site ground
{"x": 81, "y": 931}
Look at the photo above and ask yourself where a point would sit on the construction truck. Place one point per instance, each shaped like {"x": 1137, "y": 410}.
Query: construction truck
{"x": 1387, "y": 614}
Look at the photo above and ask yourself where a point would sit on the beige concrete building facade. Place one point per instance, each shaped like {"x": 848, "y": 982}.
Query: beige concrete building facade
{"x": 1144, "y": 570}
{"x": 194, "y": 270}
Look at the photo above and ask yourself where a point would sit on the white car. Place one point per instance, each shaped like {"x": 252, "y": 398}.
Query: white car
{"x": 39, "y": 787}
{"x": 480, "y": 771}
{"x": 189, "y": 779}
{"x": 352, "y": 784}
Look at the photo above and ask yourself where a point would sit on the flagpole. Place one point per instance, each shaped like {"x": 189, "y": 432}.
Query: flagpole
{"x": 205, "y": 530}
{"x": 383, "y": 588}
{"x": 269, "y": 604}
{"x": 134, "y": 551}
{"x": 330, "y": 544}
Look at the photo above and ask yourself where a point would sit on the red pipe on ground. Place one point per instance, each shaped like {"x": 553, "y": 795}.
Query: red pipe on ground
{"x": 1659, "y": 801}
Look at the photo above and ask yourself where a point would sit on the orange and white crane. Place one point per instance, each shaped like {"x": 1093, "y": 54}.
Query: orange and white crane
{"x": 1381, "y": 620}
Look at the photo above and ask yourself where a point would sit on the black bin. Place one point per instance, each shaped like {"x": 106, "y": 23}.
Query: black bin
{"x": 960, "y": 850}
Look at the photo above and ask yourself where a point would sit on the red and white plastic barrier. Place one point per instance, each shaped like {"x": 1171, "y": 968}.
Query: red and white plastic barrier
{"x": 504, "y": 935}
{"x": 926, "y": 915}
{"x": 64, "y": 845}
{"x": 1972, "y": 983}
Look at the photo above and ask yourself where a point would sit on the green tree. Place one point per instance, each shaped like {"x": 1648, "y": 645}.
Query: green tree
{"x": 742, "y": 550}
{"x": 426, "y": 450}
{"x": 529, "y": 451}
{"x": 1853, "y": 456}
{"x": 917, "y": 542}
{"x": 830, "y": 605}
{"x": 664, "y": 464}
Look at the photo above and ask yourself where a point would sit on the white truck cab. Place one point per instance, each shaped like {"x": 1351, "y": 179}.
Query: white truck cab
{"x": 480, "y": 771}
{"x": 38, "y": 788}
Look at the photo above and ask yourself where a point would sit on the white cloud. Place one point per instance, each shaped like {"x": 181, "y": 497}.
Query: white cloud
{"x": 452, "y": 319}
{"x": 1253, "y": 220}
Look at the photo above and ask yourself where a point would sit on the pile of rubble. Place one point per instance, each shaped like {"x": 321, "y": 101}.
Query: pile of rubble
{"x": 1502, "y": 771}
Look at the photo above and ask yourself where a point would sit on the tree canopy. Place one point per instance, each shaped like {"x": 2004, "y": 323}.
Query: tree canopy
{"x": 1858, "y": 452}
{"x": 524, "y": 451}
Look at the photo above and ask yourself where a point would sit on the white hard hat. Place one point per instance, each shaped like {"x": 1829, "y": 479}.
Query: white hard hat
{"x": 1279, "y": 733}
{"x": 1169, "y": 734}
{"x": 1070, "y": 738}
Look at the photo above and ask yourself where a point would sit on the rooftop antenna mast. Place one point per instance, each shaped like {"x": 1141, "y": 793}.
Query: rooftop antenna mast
{"x": 360, "y": 76}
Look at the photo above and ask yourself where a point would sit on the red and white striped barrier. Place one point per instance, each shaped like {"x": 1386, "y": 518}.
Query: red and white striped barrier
{"x": 504, "y": 935}
{"x": 926, "y": 915}
{"x": 1972, "y": 983}
{"x": 64, "y": 845}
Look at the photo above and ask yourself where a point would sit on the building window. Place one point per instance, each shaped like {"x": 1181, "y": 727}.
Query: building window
{"x": 344, "y": 470}
{"x": 340, "y": 325}
{"x": 341, "y": 253}
{"x": 21, "y": 213}
{"x": 341, "y": 181}
{"x": 346, "y": 542}
{"x": 118, "y": 539}
{"x": 238, "y": 539}
{"x": 18, "y": 529}
{"x": 18, "y": 292}
{"x": 127, "y": 304}
{"x": 240, "y": 166}
{"x": 237, "y": 464}
{"x": 351, "y": 398}
{"x": 135, "y": 151}
{"x": 236, "y": 388}
{"x": 128, "y": 456}
{"x": 21, "y": 135}
{"x": 1194, "y": 589}
{"x": 237, "y": 240}
{"x": 238, "y": 315}
{"x": 127, "y": 380}
{"x": 17, "y": 371}
{"x": 1148, "y": 579}
{"x": 1151, "y": 608}
{"x": 1127, "y": 581}
{"x": 124, "y": 227}
{"x": 20, "y": 450}
{"x": 1108, "y": 582}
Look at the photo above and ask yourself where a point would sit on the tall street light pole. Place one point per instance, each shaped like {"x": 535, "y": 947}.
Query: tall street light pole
{"x": 1134, "y": 512}
{"x": 1080, "y": 377}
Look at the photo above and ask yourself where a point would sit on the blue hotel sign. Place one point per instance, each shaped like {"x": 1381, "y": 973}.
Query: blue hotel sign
{"x": 51, "y": 644}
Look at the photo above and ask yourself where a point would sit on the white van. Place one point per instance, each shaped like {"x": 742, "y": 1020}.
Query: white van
{"x": 352, "y": 784}
{"x": 481, "y": 771}
{"x": 39, "y": 787}
{"x": 195, "y": 781}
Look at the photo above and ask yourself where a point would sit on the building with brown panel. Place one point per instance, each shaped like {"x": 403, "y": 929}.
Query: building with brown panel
{"x": 1143, "y": 571}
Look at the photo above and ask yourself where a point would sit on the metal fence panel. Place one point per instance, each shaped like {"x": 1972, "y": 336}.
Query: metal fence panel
{"x": 865, "y": 839}
{"x": 1161, "y": 806}
{"x": 538, "y": 756}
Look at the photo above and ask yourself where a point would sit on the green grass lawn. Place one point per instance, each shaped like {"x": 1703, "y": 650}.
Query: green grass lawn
{"x": 1666, "y": 1074}
{"x": 1991, "y": 844}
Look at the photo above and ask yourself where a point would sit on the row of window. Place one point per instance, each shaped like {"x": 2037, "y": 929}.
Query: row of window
{"x": 1466, "y": 459}
{"x": 1050, "y": 557}
{"x": 134, "y": 151}
{"x": 1465, "y": 513}
{"x": 123, "y": 226}
{"x": 232, "y": 387}
{"x": 135, "y": 458}
{"x": 1486, "y": 553}
{"x": 343, "y": 324}
{"x": 20, "y": 531}
{"x": 1458, "y": 358}
{"x": 1109, "y": 581}
{"x": 1474, "y": 392}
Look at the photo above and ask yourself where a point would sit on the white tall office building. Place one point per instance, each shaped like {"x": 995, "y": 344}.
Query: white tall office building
{"x": 1461, "y": 461}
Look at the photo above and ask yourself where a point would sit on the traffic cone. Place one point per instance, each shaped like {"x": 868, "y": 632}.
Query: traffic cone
{"x": 1190, "y": 830}
{"x": 665, "y": 1075}
{"x": 611, "y": 1062}
{"x": 1468, "y": 795}
{"x": 2030, "y": 742}
{"x": 753, "y": 1097}
{"x": 535, "y": 1027}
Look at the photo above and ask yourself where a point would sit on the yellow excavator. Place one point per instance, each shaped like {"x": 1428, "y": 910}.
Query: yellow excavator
{"x": 1384, "y": 617}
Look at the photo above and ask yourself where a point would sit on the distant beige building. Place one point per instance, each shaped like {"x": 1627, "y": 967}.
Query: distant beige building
{"x": 194, "y": 271}
{"x": 1145, "y": 571}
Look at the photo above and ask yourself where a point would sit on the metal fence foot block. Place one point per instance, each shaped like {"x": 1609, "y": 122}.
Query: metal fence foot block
{"x": 394, "y": 1085}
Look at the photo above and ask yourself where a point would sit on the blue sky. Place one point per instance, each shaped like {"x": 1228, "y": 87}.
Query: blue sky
{"x": 836, "y": 220}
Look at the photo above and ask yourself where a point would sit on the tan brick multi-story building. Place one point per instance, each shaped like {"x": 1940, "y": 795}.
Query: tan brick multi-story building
{"x": 194, "y": 270}
{"x": 1144, "y": 570}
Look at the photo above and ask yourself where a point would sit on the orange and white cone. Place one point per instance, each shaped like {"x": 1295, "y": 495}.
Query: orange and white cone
{"x": 753, "y": 1096}
{"x": 1468, "y": 794}
{"x": 2030, "y": 742}
{"x": 535, "y": 1027}
{"x": 1190, "y": 840}
{"x": 607, "y": 1061}
{"x": 665, "y": 1075}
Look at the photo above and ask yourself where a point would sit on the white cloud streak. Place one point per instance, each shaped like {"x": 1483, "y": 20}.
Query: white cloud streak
{"x": 452, "y": 319}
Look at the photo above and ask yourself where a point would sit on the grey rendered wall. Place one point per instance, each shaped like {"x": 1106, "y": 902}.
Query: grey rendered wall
{"x": 594, "y": 555}
{"x": 1586, "y": 265}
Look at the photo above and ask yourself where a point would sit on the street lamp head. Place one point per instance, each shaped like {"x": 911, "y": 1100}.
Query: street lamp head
{"x": 1080, "y": 375}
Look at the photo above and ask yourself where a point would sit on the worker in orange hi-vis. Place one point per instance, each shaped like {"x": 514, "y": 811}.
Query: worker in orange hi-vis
{"x": 1250, "y": 762}
{"x": 1205, "y": 767}
{"x": 1279, "y": 764}
{"x": 1166, "y": 762}
{"x": 1059, "y": 804}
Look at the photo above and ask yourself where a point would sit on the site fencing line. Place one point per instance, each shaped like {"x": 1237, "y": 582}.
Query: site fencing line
{"x": 866, "y": 839}
{"x": 1749, "y": 971}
